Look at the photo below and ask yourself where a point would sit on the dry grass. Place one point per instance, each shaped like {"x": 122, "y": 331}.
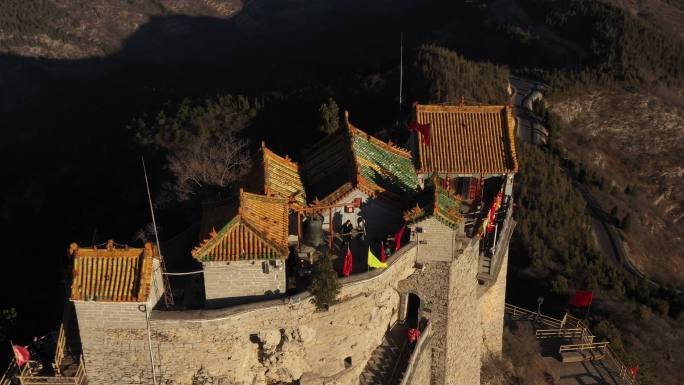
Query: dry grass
{"x": 86, "y": 28}
{"x": 654, "y": 342}
{"x": 521, "y": 363}
{"x": 636, "y": 139}
{"x": 666, "y": 14}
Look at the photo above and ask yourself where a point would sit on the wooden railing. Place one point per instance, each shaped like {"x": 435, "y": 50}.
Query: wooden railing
{"x": 493, "y": 266}
{"x": 602, "y": 346}
{"x": 520, "y": 313}
{"x": 59, "y": 350}
{"x": 622, "y": 369}
{"x": 560, "y": 333}
{"x": 79, "y": 378}
{"x": 6, "y": 378}
{"x": 587, "y": 338}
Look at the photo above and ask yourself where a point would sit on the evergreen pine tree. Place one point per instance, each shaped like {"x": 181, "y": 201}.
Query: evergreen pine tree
{"x": 324, "y": 283}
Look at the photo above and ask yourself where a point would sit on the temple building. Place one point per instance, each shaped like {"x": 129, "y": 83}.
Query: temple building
{"x": 244, "y": 260}
{"x": 274, "y": 175}
{"x": 467, "y": 145}
{"x": 353, "y": 166}
{"x": 441, "y": 214}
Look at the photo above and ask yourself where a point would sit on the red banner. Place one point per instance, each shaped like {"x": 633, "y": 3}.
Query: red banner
{"x": 633, "y": 371}
{"x": 397, "y": 238}
{"x": 424, "y": 130}
{"x": 581, "y": 298}
{"x": 21, "y": 354}
{"x": 492, "y": 211}
{"x": 348, "y": 260}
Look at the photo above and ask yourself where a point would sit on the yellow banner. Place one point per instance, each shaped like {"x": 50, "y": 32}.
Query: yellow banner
{"x": 373, "y": 261}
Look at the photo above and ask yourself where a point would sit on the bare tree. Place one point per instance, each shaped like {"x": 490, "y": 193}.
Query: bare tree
{"x": 208, "y": 164}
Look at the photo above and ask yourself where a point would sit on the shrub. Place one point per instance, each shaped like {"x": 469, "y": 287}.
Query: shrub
{"x": 324, "y": 283}
{"x": 440, "y": 75}
{"x": 329, "y": 117}
{"x": 560, "y": 285}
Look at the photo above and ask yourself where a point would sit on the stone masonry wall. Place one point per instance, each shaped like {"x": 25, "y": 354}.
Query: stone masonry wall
{"x": 260, "y": 343}
{"x": 437, "y": 242}
{"x": 431, "y": 285}
{"x": 493, "y": 302}
{"x": 243, "y": 279}
{"x": 464, "y": 331}
{"x": 423, "y": 366}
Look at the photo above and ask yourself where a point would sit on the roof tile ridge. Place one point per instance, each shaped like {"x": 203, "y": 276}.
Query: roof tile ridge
{"x": 459, "y": 108}
{"x": 398, "y": 150}
{"x": 208, "y": 243}
{"x": 511, "y": 136}
{"x": 286, "y": 161}
{"x": 354, "y": 172}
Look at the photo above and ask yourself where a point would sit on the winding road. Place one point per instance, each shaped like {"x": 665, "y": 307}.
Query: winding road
{"x": 528, "y": 129}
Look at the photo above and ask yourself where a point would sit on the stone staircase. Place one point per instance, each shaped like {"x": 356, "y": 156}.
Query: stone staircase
{"x": 389, "y": 360}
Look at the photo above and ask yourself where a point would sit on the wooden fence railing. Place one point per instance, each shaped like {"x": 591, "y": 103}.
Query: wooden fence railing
{"x": 602, "y": 346}
{"x": 6, "y": 378}
{"x": 622, "y": 369}
{"x": 520, "y": 313}
{"x": 560, "y": 333}
{"x": 573, "y": 323}
{"x": 79, "y": 378}
{"x": 60, "y": 346}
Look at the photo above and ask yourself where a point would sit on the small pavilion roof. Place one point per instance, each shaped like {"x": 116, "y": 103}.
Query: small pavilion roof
{"x": 113, "y": 273}
{"x": 274, "y": 175}
{"x": 467, "y": 140}
{"x": 256, "y": 229}
{"x": 436, "y": 201}
{"x": 351, "y": 158}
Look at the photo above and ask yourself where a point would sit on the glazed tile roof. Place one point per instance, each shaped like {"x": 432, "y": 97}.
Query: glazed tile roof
{"x": 114, "y": 273}
{"x": 351, "y": 158}
{"x": 438, "y": 202}
{"x": 467, "y": 140}
{"x": 274, "y": 175}
{"x": 257, "y": 229}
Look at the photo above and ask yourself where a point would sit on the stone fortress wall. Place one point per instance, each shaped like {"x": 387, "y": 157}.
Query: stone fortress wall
{"x": 256, "y": 343}
{"x": 287, "y": 339}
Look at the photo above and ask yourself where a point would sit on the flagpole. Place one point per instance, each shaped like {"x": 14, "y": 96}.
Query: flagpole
{"x": 586, "y": 316}
{"x": 401, "y": 67}
{"x": 14, "y": 354}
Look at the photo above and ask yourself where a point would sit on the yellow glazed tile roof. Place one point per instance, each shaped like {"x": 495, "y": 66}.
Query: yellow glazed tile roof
{"x": 258, "y": 230}
{"x": 114, "y": 273}
{"x": 281, "y": 177}
{"x": 467, "y": 140}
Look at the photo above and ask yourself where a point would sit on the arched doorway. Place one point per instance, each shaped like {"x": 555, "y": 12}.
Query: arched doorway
{"x": 412, "y": 309}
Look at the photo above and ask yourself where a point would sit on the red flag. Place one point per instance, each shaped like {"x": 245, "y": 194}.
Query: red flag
{"x": 424, "y": 130}
{"x": 633, "y": 371}
{"x": 492, "y": 211}
{"x": 348, "y": 259}
{"x": 21, "y": 354}
{"x": 581, "y": 298}
{"x": 382, "y": 252}
{"x": 397, "y": 237}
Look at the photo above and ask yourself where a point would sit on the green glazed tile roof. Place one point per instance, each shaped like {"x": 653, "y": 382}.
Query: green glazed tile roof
{"x": 437, "y": 202}
{"x": 352, "y": 159}
{"x": 383, "y": 167}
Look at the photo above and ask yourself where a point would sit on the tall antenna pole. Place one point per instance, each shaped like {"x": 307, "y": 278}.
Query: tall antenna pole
{"x": 401, "y": 67}
{"x": 168, "y": 296}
